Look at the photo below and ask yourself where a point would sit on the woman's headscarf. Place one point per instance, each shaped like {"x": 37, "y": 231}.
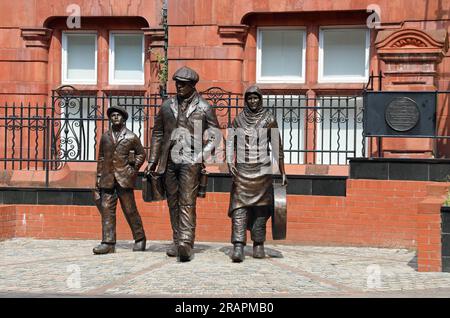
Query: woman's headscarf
{"x": 248, "y": 117}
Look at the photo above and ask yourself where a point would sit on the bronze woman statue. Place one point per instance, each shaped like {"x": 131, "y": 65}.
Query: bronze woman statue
{"x": 251, "y": 201}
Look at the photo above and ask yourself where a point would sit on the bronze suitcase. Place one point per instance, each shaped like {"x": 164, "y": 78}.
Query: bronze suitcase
{"x": 153, "y": 188}
{"x": 279, "y": 212}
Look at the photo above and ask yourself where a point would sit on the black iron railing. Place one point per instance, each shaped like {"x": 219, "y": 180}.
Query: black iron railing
{"x": 325, "y": 130}
{"x": 321, "y": 130}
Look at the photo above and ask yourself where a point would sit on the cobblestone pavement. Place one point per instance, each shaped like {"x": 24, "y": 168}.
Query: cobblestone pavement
{"x": 37, "y": 268}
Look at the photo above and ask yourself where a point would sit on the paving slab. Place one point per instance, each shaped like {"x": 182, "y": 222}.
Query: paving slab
{"x": 64, "y": 268}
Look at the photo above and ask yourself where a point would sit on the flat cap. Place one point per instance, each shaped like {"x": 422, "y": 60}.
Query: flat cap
{"x": 118, "y": 109}
{"x": 186, "y": 74}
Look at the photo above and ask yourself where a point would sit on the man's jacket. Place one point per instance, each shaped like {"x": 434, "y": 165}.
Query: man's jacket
{"x": 120, "y": 160}
{"x": 199, "y": 111}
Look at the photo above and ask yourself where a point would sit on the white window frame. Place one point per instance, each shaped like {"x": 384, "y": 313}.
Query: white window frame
{"x": 64, "y": 79}
{"x": 344, "y": 79}
{"x": 277, "y": 79}
{"x": 112, "y": 80}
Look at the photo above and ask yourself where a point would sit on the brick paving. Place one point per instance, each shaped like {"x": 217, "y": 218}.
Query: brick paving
{"x": 40, "y": 268}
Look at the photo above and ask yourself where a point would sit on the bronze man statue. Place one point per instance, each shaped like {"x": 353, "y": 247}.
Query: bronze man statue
{"x": 251, "y": 201}
{"x": 120, "y": 156}
{"x": 178, "y": 154}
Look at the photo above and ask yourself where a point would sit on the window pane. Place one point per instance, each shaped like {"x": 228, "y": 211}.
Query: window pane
{"x": 282, "y": 53}
{"x": 81, "y": 57}
{"x": 78, "y": 129}
{"x": 128, "y": 64}
{"x": 344, "y": 52}
{"x": 134, "y": 106}
{"x": 289, "y": 110}
{"x": 340, "y": 129}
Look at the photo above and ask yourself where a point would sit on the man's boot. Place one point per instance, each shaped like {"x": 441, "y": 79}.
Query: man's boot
{"x": 172, "y": 250}
{"x": 104, "y": 249}
{"x": 185, "y": 252}
{"x": 139, "y": 246}
{"x": 258, "y": 250}
{"x": 238, "y": 253}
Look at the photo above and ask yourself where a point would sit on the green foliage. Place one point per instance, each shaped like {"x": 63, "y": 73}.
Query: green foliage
{"x": 162, "y": 68}
{"x": 447, "y": 201}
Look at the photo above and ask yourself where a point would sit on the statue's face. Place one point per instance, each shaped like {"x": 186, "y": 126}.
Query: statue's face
{"x": 184, "y": 89}
{"x": 253, "y": 101}
{"x": 117, "y": 119}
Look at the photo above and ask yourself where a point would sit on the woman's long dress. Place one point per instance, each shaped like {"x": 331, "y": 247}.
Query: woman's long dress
{"x": 253, "y": 184}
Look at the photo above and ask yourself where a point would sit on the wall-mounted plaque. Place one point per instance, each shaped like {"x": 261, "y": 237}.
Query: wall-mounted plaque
{"x": 400, "y": 114}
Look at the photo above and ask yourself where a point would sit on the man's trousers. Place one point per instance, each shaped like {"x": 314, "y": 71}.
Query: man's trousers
{"x": 182, "y": 184}
{"x": 128, "y": 204}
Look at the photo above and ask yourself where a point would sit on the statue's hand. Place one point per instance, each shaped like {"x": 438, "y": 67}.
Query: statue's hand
{"x": 233, "y": 170}
{"x": 97, "y": 183}
{"x": 150, "y": 168}
{"x": 284, "y": 180}
{"x": 198, "y": 158}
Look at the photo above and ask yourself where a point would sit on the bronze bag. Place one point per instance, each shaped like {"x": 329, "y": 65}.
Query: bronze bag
{"x": 203, "y": 186}
{"x": 153, "y": 188}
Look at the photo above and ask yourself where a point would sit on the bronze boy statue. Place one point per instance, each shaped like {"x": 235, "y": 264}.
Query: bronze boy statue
{"x": 178, "y": 154}
{"x": 251, "y": 201}
{"x": 120, "y": 156}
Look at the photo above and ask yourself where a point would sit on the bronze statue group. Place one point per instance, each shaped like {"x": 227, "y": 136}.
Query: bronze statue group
{"x": 179, "y": 158}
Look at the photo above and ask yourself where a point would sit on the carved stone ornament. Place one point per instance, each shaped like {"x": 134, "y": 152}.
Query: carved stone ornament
{"x": 36, "y": 37}
{"x": 409, "y": 42}
{"x": 411, "y": 57}
{"x": 412, "y": 41}
{"x": 156, "y": 36}
{"x": 233, "y": 34}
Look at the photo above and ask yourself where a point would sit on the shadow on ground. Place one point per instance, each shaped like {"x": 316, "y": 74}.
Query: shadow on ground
{"x": 413, "y": 263}
{"x": 162, "y": 247}
{"x": 248, "y": 250}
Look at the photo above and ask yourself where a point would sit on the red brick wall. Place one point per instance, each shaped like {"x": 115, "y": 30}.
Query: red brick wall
{"x": 374, "y": 213}
{"x": 429, "y": 237}
{"x": 234, "y": 11}
{"x": 195, "y": 39}
{"x": 397, "y": 214}
{"x": 429, "y": 247}
{"x": 232, "y": 65}
{"x": 7, "y": 222}
{"x": 29, "y": 73}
